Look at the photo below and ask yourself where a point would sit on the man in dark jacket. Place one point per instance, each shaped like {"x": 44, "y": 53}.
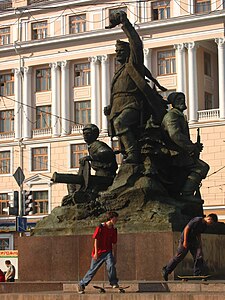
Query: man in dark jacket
{"x": 191, "y": 241}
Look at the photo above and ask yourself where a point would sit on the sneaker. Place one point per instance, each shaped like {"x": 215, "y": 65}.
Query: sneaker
{"x": 80, "y": 289}
{"x": 115, "y": 286}
{"x": 165, "y": 274}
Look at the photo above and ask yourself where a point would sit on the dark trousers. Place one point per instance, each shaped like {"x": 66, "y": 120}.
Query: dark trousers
{"x": 196, "y": 252}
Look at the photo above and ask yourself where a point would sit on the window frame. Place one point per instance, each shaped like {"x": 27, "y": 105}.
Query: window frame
{"x": 74, "y": 162}
{"x": 5, "y": 35}
{"x": 166, "y": 62}
{"x": 38, "y": 201}
{"x": 9, "y": 122}
{"x": 84, "y": 76}
{"x": 202, "y": 6}
{"x": 44, "y": 78}
{"x": 10, "y": 161}
{"x": 7, "y": 84}
{"x": 77, "y": 23}
{"x": 4, "y": 201}
{"x": 161, "y": 10}
{"x": 43, "y": 116}
{"x": 9, "y": 237}
{"x": 31, "y": 169}
{"x": 43, "y": 30}
{"x": 82, "y": 115}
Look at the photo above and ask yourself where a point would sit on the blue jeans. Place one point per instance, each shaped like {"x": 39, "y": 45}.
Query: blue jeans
{"x": 196, "y": 252}
{"x": 106, "y": 257}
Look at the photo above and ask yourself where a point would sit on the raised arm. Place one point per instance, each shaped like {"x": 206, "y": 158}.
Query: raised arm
{"x": 136, "y": 46}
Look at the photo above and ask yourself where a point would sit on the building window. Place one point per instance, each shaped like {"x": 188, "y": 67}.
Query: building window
{"x": 118, "y": 9}
{"x": 166, "y": 62}
{"x": 160, "y": 10}
{"x": 208, "y": 101}
{"x": 7, "y": 121}
{"x": 39, "y": 30}
{"x": 76, "y": 152}
{"x": 40, "y": 159}
{"x": 77, "y": 23}
{"x": 5, "y": 162}
{"x": 43, "y": 117}
{"x": 5, "y": 36}
{"x": 43, "y": 80}
{"x": 82, "y": 74}
{"x": 40, "y": 199}
{"x": 202, "y": 6}
{"x": 82, "y": 112}
{"x": 4, "y": 199}
{"x": 7, "y": 84}
{"x": 207, "y": 64}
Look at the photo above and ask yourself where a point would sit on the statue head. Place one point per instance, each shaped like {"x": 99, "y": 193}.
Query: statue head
{"x": 90, "y": 133}
{"x": 177, "y": 99}
{"x": 122, "y": 51}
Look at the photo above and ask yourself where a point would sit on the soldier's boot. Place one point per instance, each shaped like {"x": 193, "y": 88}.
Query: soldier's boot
{"x": 190, "y": 187}
{"x": 131, "y": 148}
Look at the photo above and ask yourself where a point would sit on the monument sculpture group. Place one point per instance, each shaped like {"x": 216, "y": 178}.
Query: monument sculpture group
{"x": 157, "y": 183}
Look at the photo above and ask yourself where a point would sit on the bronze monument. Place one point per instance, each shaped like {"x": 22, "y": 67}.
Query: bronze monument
{"x": 157, "y": 184}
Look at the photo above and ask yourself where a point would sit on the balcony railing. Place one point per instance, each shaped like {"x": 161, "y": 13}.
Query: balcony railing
{"x": 7, "y": 135}
{"x": 77, "y": 129}
{"x": 42, "y": 132}
{"x": 209, "y": 114}
{"x": 5, "y": 4}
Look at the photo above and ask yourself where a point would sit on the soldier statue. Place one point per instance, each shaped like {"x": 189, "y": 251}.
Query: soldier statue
{"x": 184, "y": 153}
{"x": 132, "y": 99}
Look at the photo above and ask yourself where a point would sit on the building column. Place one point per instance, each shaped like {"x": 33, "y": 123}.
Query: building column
{"x": 95, "y": 90}
{"x": 148, "y": 61}
{"x": 191, "y": 6}
{"x": 55, "y": 99}
{"x": 65, "y": 96}
{"x": 176, "y": 8}
{"x": 27, "y": 111}
{"x": 221, "y": 74}
{"x": 181, "y": 68}
{"x": 192, "y": 80}
{"x": 105, "y": 89}
{"x": 18, "y": 104}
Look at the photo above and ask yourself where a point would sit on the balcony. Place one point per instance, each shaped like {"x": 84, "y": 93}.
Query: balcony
{"x": 208, "y": 115}
{"x": 77, "y": 129}
{"x": 7, "y": 135}
{"x": 42, "y": 132}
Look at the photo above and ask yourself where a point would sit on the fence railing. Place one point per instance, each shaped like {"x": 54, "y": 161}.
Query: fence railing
{"x": 77, "y": 129}
{"x": 42, "y": 132}
{"x": 209, "y": 114}
{"x": 7, "y": 135}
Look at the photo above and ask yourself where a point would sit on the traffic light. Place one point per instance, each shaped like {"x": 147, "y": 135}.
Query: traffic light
{"x": 28, "y": 203}
{"x": 13, "y": 204}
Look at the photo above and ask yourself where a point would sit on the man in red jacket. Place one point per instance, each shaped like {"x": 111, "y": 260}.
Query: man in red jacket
{"x": 105, "y": 250}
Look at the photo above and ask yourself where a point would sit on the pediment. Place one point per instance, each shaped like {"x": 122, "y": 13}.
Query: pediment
{"x": 38, "y": 179}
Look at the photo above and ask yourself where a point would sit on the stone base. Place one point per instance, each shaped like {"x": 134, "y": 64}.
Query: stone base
{"x": 141, "y": 256}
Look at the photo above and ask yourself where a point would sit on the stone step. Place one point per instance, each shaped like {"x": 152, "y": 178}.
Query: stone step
{"x": 158, "y": 286}
{"x": 137, "y": 290}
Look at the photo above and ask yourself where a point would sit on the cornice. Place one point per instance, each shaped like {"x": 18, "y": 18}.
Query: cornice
{"x": 115, "y": 33}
